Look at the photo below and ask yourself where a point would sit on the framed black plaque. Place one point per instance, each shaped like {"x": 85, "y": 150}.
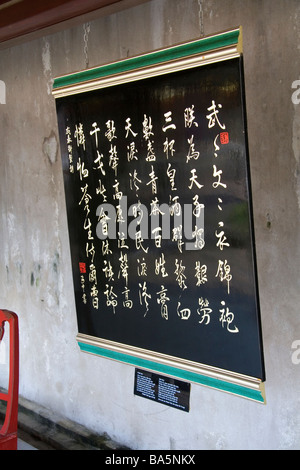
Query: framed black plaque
{"x": 157, "y": 183}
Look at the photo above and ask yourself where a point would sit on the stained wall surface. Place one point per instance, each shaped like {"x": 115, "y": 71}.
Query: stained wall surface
{"x": 35, "y": 266}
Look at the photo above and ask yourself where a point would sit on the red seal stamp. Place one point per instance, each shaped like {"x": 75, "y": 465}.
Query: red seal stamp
{"x": 82, "y": 268}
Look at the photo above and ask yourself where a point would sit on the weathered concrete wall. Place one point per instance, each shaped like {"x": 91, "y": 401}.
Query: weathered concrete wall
{"x": 35, "y": 269}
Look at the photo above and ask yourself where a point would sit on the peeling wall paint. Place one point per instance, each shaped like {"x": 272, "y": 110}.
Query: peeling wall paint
{"x": 46, "y": 58}
{"x": 50, "y": 147}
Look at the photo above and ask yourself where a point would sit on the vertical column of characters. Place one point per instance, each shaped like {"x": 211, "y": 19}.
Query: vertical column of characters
{"x": 140, "y": 211}
{"x": 193, "y": 215}
{"x": 109, "y": 221}
{"x": 223, "y": 271}
{"x": 160, "y": 217}
{"x": 84, "y": 203}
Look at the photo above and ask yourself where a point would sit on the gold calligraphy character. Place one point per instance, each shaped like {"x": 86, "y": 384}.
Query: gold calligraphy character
{"x": 152, "y": 181}
{"x": 83, "y": 172}
{"x": 147, "y": 127}
{"x": 128, "y": 128}
{"x": 180, "y": 276}
{"x": 215, "y": 175}
{"x": 108, "y": 270}
{"x": 192, "y": 153}
{"x": 189, "y": 117}
{"x": 213, "y": 116}
{"x": 101, "y": 190}
{"x": 221, "y": 243}
{"x": 226, "y": 318}
{"x": 113, "y": 158}
{"x": 168, "y": 119}
{"x": 162, "y": 301}
{"x": 111, "y": 130}
{"x": 131, "y": 152}
{"x": 139, "y": 241}
{"x": 160, "y": 266}
{"x": 90, "y": 251}
{"x": 193, "y": 180}
{"x": 169, "y": 147}
{"x": 111, "y": 297}
{"x": 79, "y": 134}
{"x": 201, "y": 273}
{"x": 144, "y": 296}
{"x": 204, "y": 310}
{"x": 95, "y": 131}
{"x": 142, "y": 268}
{"x": 127, "y": 303}
{"x": 99, "y": 160}
{"x": 223, "y": 273}
{"x": 184, "y": 313}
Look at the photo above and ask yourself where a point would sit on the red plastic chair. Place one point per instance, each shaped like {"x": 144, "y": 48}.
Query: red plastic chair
{"x": 9, "y": 430}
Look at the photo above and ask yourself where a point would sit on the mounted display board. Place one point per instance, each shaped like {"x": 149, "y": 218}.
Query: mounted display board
{"x": 155, "y": 163}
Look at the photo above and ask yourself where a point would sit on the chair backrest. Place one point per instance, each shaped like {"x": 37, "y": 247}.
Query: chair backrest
{"x": 8, "y": 432}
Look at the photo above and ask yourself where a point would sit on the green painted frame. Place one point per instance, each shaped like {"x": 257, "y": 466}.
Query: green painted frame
{"x": 256, "y": 392}
{"x": 204, "y": 49}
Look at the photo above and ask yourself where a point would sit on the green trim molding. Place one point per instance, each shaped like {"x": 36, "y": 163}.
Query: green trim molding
{"x": 249, "y": 393}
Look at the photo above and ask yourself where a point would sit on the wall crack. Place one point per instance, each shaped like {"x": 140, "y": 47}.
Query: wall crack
{"x": 201, "y": 25}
